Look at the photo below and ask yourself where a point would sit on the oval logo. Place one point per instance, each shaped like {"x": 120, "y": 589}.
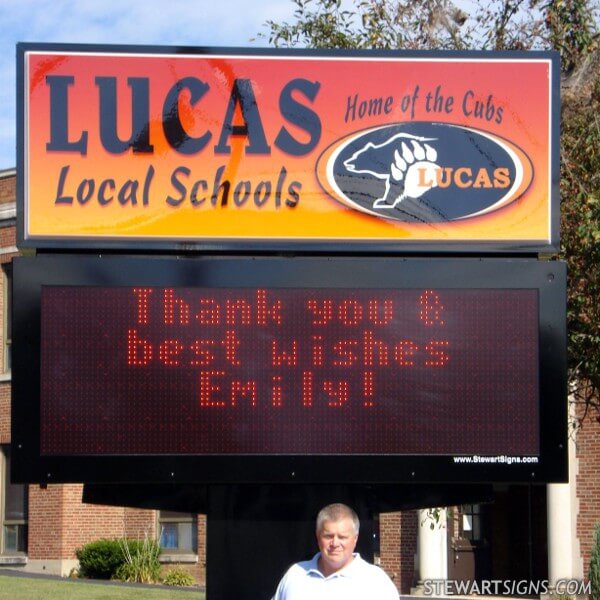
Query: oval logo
{"x": 424, "y": 172}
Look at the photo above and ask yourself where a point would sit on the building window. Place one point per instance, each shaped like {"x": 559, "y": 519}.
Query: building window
{"x": 178, "y": 531}
{"x": 471, "y": 522}
{"x": 13, "y": 510}
{"x": 7, "y": 333}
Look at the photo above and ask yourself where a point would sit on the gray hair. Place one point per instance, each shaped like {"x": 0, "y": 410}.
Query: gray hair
{"x": 337, "y": 512}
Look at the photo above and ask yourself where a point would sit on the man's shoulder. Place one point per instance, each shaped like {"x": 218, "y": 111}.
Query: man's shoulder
{"x": 303, "y": 567}
{"x": 296, "y": 577}
{"x": 361, "y": 563}
{"x": 375, "y": 575}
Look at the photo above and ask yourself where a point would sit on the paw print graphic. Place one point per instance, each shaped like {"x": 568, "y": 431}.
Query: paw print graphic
{"x": 406, "y": 162}
{"x": 414, "y": 167}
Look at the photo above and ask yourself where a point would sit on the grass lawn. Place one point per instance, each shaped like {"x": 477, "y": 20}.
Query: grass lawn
{"x": 25, "y": 588}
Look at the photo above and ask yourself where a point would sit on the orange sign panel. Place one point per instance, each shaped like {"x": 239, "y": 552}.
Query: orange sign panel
{"x": 124, "y": 147}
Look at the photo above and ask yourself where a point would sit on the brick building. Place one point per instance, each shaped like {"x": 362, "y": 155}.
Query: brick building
{"x": 527, "y": 532}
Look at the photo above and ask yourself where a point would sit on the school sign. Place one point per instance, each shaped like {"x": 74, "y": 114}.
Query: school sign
{"x": 169, "y": 148}
{"x": 275, "y": 266}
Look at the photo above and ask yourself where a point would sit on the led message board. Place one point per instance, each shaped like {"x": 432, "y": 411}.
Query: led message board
{"x": 288, "y": 371}
{"x": 130, "y": 147}
{"x": 277, "y": 369}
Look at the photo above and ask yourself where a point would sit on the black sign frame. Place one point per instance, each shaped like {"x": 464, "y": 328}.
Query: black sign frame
{"x": 30, "y": 274}
{"x": 397, "y": 246}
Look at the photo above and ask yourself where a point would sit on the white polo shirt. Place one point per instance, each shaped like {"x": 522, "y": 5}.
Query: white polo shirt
{"x": 357, "y": 581}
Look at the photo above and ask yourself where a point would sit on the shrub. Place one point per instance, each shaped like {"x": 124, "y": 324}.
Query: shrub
{"x": 101, "y": 558}
{"x": 140, "y": 564}
{"x": 595, "y": 566}
{"x": 178, "y": 576}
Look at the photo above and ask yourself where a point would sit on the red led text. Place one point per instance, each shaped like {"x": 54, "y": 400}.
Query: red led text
{"x": 276, "y": 348}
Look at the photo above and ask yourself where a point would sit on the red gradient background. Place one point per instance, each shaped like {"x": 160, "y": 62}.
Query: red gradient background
{"x": 520, "y": 87}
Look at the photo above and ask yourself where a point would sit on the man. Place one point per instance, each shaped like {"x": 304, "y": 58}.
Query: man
{"x": 336, "y": 572}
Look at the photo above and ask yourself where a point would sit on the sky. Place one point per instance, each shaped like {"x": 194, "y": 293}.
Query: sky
{"x": 233, "y": 23}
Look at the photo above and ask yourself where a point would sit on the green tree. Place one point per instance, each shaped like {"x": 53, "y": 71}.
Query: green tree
{"x": 580, "y": 226}
{"x": 439, "y": 24}
{"x": 570, "y": 27}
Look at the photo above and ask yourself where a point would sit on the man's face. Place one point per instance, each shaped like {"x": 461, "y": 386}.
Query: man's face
{"x": 337, "y": 541}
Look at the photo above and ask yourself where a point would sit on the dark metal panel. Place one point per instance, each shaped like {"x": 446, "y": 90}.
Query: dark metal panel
{"x": 549, "y": 278}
